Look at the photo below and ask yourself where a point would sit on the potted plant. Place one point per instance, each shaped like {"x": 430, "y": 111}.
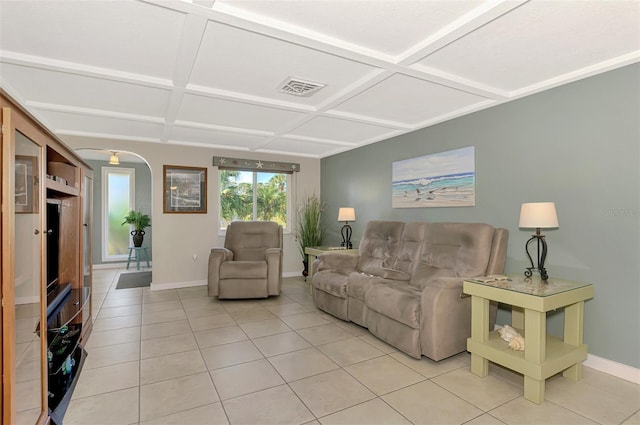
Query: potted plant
{"x": 139, "y": 222}
{"x": 310, "y": 231}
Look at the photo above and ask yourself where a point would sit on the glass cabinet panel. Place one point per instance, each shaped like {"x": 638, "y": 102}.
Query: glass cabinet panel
{"x": 28, "y": 278}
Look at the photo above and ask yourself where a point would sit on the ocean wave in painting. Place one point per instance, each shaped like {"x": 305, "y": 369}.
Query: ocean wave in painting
{"x": 448, "y": 190}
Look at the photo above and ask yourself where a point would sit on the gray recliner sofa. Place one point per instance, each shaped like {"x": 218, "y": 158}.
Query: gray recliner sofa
{"x": 405, "y": 285}
{"x": 250, "y": 264}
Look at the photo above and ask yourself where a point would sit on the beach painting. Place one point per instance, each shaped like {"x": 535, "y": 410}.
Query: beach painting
{"x": 445, "y": 179}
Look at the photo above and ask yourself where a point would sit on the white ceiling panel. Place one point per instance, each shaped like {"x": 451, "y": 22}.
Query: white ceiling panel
{"x": 302, "y": 147}
{"x": 542, "y": 40}
{"x": 206, "y": 72}
{"x": 122, "y": 35}
{"x": 201, "y": 136}
{"x": 387, "y": 27}
{"x": 408, "y": 100}
{"x": 224, "y": 65}
{"x": 340, "y": 130}
{"x": 107, "y": 127}
{"x": 234, "y": 114}
{"x": 66, "y": 89}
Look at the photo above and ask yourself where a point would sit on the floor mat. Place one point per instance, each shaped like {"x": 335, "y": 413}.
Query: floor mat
{"x": 134, "y": 280}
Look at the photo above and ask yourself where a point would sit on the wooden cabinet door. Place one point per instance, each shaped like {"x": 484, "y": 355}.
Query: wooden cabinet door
{"x": 24, "y": 396}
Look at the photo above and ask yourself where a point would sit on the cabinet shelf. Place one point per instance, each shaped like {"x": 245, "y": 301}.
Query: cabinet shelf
{"x": 59, "y": 187}
{"x": 71, "y": 309}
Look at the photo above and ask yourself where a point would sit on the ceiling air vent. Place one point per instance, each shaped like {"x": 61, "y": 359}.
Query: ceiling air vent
{"x": 298, "y": 87}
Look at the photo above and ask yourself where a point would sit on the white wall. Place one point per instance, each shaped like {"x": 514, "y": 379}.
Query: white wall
{"x": 176, "y": 237}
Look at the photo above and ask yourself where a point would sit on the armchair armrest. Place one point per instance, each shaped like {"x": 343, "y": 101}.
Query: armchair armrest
{"x": 340, "y": 263}
{"x": 273, "y": 257}
{"x": 216, "y": 257}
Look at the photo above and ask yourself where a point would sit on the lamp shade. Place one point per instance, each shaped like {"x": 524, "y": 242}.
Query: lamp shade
{"x": 347, "y": 214}
{"x": 538, "y": 215}
{"x": 114, "y": 159}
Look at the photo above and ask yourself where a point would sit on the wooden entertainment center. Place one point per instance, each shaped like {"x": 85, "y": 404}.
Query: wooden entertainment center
{"x": 46, "y": 268}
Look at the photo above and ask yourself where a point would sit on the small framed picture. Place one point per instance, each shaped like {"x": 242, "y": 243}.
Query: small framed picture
{"x": 26, "y": 182}
{"x": 185, "y": 190}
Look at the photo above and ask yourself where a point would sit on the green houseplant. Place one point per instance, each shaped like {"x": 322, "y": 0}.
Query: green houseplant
{"x": 139, "y": 222}
{"x": 310, "y": 231}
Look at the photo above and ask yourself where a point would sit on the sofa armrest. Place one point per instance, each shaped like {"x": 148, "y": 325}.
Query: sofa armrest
{"x": 216, "y": 257}
{"x": 340, "y": 263}
{"x": 446, "y": 283}
{"x": 445, "y": 323}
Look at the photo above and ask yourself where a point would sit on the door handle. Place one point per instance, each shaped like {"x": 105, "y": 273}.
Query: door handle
{"x": 36, "y": 232}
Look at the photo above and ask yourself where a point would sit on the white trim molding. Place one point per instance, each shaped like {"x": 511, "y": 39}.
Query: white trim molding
{"x": 619, "y": 370}
{"x": 177, "y": 285}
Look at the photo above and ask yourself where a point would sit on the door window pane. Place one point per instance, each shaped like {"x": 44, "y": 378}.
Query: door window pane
{"x": 118, "y": 202}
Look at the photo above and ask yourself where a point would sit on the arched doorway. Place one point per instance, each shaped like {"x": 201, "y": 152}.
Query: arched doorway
{"x": 118, "y": 187}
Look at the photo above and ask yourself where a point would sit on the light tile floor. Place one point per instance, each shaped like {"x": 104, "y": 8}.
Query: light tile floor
{"x": 180, "y": 357}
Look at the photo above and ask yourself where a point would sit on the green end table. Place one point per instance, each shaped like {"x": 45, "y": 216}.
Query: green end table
{"x": 531, "y": 299}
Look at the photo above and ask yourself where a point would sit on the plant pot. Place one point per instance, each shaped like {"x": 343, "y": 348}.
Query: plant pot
{"x": 138, "y": 237}
{"x": 305, "y": 271}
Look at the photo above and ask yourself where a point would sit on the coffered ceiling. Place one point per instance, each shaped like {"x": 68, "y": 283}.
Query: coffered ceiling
{"x": 209, "y": 72}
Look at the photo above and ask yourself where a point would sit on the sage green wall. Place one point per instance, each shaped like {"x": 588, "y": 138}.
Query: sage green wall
{"x": 576, "y": 145}
{"x": 142, "y": 197}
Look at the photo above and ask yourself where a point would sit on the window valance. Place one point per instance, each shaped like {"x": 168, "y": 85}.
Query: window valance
{"x": 225, "y": 163}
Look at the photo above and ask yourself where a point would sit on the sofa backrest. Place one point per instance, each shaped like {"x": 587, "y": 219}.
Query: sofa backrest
{"x": 410, "y": 247}
{"x": 454, "y": 250}
{"x": 379, "y": 244}
{"x": 249, "y": 240}
{"x": 498, "y": 252}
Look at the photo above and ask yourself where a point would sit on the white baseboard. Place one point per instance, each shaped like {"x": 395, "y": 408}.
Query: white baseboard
{"x": 105, "y": 266}
{"x": 619, "y": 370}
{"x": 177, "y": 285}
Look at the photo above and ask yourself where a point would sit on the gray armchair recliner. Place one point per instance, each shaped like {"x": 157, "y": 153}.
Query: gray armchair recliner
{"x": 250, "y": 264}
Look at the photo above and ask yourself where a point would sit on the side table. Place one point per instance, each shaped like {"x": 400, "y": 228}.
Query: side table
{"x": 544, "y": 355}
{"x": 314, "y": 251}
{"x": 137, "y": 250}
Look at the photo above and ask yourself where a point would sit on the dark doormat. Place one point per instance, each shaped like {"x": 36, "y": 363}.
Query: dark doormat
{"x": 134, "y": 280}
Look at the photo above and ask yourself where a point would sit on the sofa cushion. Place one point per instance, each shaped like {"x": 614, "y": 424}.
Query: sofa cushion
{"x": 359, "y": 284}
{"x": 243, "y": 270}
{"x": 331, "y": 282}
{"x": 400, "y": 302}
{"x": 379, "y": 244}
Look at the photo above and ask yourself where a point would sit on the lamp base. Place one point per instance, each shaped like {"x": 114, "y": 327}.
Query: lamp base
{"x": 541, "y": 257}
{"x": 346, "y": 236}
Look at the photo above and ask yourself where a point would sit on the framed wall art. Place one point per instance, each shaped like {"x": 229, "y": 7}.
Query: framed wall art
{"x": 445, "y": 179}
{"x": 26, "y": 182}
{"x": 185, "y": 189}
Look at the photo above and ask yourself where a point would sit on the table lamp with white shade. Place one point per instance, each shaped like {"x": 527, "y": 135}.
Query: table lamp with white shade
{"x": 538, "y": 215}
{"x": 346, "y": 215}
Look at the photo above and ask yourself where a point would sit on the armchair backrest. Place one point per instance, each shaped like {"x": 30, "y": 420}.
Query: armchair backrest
{"x": 249, "y": 240}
